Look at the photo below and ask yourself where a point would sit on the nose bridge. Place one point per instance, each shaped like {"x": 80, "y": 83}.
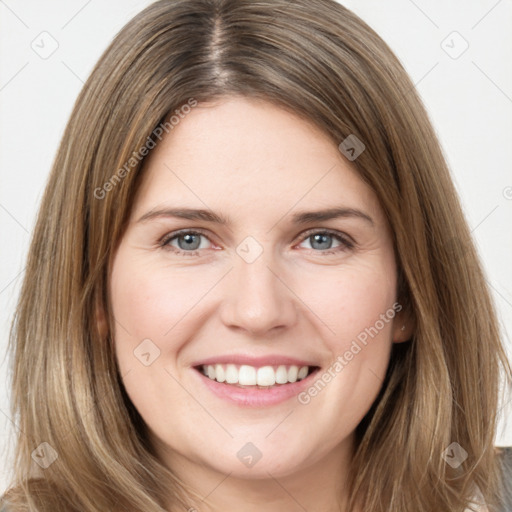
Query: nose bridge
{"x": 258, "y": 299}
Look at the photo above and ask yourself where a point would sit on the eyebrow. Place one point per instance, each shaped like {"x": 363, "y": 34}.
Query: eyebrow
{"x": 301, "y": 217}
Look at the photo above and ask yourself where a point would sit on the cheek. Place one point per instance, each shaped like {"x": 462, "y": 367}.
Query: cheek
{"x": 358, "y": 302}
{"x": 359, "y": 308}
{"x": 150, "y": 302}
{"x": 150, "y": 305}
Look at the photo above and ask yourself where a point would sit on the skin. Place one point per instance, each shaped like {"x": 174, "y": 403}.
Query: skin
{"x": 256, "y": 164}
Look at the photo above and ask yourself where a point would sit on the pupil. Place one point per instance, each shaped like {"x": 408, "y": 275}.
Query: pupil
{"x": 321, "y": 238}
{"x": 189, "y": 240}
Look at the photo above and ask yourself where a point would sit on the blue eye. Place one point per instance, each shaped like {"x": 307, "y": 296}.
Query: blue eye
{"x": 323, "y": 241}
{"x": 189, "y": 242}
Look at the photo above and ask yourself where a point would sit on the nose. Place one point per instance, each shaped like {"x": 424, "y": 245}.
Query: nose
{"x": 259, "y": 300}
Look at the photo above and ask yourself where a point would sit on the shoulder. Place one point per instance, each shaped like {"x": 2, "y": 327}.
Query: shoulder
{"x": 504, "y": 455}
{"x": 4, "y": 507}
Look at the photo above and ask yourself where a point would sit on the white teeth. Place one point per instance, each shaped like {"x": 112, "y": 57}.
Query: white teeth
{"x": 292, "y": 373}
{"x": 231, "y": 374}
{"x": 266, "y": 376}
{"x": 246, "y": 375}
{"x": 220, "y": 374}
{"x": 281, "y": 375}
{"x": 302, "y": 373}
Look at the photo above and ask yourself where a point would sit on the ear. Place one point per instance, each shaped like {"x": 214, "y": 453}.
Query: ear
{"x": 404, "y": 326}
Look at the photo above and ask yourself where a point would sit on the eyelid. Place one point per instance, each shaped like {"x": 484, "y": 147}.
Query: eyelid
{"x": 173, "y": 234}
{"x": 339, "y": 234}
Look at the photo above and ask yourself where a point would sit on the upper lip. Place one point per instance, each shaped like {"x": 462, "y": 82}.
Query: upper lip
{"x": 269, "y": 360}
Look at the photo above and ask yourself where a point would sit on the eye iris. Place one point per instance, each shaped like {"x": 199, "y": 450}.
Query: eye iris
{"x": 321, "y": 238}
{"x": 189, "y": 238}
{"x": 193, "y": 241}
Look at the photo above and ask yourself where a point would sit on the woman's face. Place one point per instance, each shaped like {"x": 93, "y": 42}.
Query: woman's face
{"x": 273, "y": 289}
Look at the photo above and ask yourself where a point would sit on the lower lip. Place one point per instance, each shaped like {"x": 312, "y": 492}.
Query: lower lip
{"x": 255, "y": 397}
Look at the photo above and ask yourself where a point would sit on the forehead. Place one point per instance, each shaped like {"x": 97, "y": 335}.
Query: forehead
{"x": 248, "y": 155}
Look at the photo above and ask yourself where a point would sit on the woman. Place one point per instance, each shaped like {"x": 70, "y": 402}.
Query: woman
{"x": 182, "y": 342}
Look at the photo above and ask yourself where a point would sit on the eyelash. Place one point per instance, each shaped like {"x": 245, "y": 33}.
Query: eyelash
{"x": 346, "y": 242}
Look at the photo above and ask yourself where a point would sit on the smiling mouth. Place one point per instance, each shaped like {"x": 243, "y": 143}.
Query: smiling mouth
{"x": 264, "y": 377}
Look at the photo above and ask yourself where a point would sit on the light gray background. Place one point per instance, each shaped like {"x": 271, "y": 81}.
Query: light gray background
{"x": 468, "y": 96}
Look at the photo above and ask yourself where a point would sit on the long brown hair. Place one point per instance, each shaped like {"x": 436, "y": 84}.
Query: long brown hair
{"x": 320, "y": 61}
